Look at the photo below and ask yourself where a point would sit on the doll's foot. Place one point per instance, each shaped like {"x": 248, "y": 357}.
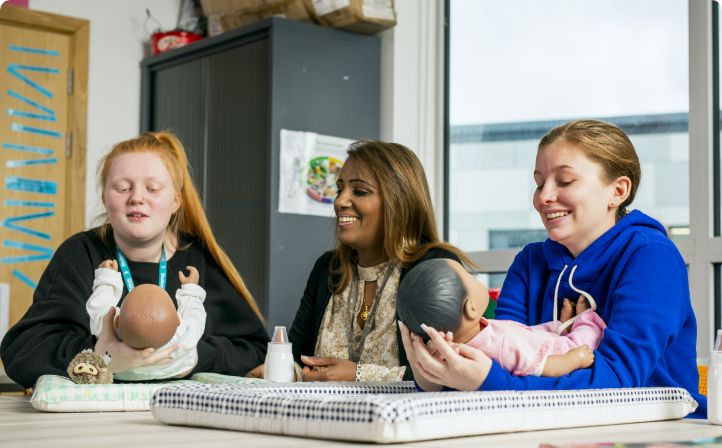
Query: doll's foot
{"x": 583, "y": 356}
{"x": 567, "y": 311}
{"x": 192, "y": 277}
{"x": 109, "y": 264}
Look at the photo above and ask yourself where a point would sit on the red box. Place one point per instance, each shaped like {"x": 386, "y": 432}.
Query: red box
{"x": 494, "y": 293}
{"x": 163, "y": 41}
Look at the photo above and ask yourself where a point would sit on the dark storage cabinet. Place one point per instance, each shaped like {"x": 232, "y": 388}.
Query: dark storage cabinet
{"x": 227, "y": 98}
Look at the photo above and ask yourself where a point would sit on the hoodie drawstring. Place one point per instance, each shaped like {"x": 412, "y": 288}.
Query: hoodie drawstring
{"x": 590, "y": 299}
{"x": 556, "y": 292}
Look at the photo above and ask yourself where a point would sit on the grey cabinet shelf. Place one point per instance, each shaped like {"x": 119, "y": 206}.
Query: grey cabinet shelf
{"x": 227, "y": 98}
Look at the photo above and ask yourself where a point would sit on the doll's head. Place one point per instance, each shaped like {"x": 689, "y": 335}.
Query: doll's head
{"x": 147, "y": 317}
{"x": 441, "y": 294}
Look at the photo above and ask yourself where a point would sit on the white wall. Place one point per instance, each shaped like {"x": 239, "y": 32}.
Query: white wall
{"x": 412, "y": 81}
{"x": 117, "y": 45}
{"x": 412, "y": 77}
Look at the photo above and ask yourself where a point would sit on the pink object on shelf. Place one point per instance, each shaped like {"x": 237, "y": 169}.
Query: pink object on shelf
{"x": 21, "y": 3}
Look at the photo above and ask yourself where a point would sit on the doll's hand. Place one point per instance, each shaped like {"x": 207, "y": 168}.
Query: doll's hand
{"x": 567, "y": 311}
{"x": 192, "y": 277}
{"x": 328, "y": 369}
{"x": 582, "y": 305}
{"x": 410, "y": 342}
{"x": 124, "y": 357}
{"x": 109, "y": 264}
{"x": 431, "y": 347}
{"x": 434, "y": 351}
{"x": 456, "y": 365}
{"x": 257, "y": 372}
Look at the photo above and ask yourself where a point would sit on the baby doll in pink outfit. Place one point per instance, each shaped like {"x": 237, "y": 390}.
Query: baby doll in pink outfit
{"x": 441, "y": 294}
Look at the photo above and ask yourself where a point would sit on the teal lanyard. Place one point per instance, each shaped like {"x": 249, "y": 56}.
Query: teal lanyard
{"x": 125, "y": 269}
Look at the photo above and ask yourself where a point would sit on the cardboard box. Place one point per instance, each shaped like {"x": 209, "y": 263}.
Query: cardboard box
{"x": 215, "y": 7}
{"x": 300, "y": 10}
{"x": 291, "y": 9}
{"x": 360, "y": 16}
{"x": 220, "y": 23}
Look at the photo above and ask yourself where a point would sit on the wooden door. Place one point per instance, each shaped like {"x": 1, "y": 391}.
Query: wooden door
{"x": 43, "y": 78}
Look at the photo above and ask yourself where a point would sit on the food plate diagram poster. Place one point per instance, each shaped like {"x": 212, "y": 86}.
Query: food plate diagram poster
{"x": 310, "y": 165}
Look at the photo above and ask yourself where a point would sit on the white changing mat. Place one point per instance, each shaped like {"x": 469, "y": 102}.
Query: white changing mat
{"x": 54, "y": 393}
{"x": 394, "y": 412}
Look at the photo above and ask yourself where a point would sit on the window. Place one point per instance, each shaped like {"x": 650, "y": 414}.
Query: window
{"x": 518, "y": 69}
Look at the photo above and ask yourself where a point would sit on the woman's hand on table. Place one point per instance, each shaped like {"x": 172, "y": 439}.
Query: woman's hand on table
{"x": 328, "y": 369}
{"x": 257, "y": 372}
{"x": 124, "y": 357}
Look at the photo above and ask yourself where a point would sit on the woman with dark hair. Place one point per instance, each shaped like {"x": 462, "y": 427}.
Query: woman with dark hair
{"x": 345, "y": 327}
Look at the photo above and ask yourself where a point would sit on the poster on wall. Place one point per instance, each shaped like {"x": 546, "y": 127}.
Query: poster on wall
{"x": 310, "y": 165}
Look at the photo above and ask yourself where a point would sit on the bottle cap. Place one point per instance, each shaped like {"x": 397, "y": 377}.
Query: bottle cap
{"x": 280, "y": 336}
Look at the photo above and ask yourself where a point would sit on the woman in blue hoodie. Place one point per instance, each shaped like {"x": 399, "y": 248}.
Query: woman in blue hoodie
{"x": 587, "y": 173}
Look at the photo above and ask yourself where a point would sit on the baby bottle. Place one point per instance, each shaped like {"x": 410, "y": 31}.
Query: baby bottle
{"x": 714, "y": 383}
{"x": 279, "y": 358}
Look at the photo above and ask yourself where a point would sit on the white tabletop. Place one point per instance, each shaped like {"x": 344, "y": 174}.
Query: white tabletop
{"x": 23, "y": 426}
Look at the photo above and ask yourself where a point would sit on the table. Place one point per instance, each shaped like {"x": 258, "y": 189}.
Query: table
{"x": 23, "y": 426}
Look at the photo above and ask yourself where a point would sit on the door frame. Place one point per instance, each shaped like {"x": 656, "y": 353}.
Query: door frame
{"x": 78, "y": 31}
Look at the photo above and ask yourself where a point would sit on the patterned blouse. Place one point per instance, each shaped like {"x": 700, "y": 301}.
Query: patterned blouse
{"x": 380, "y": 357}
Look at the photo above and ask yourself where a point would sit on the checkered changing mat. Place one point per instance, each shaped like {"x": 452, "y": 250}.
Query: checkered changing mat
{"x": 394, "y": 412}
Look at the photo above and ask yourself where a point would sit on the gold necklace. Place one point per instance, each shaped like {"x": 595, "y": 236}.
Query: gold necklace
{"x": 364, "y": 315}
{"x": 355, "y": 348}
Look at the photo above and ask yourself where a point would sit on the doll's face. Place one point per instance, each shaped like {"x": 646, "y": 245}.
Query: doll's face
{"x": 477, "y": 296}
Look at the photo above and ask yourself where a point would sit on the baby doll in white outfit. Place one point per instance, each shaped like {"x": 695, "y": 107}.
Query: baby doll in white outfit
{"x": 148, "y": 318}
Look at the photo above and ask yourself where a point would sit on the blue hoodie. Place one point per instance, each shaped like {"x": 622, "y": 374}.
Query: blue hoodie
{"x": 638, "y": 280}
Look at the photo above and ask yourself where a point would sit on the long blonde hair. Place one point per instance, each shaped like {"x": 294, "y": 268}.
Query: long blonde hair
{"x": 190, "y": 218}
{"x": 408, "y": 215}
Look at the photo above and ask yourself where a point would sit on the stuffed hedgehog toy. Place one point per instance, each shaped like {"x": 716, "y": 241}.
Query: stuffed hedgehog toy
{"x": 88, "y": 367}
